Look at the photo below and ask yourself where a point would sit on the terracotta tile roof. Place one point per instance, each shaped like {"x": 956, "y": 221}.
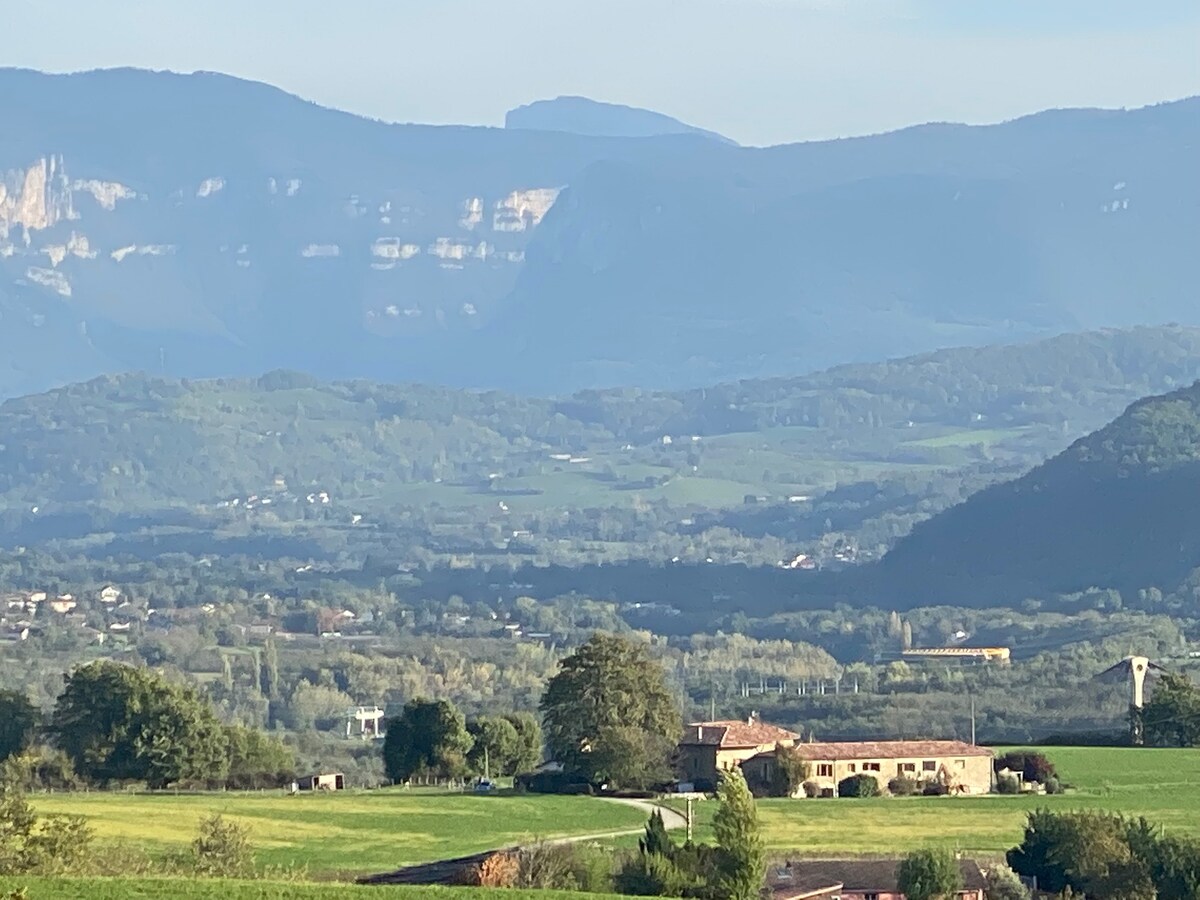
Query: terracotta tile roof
{"x": 865, "y": 876}
{"x": 735, "y": 733}
{"x": 839, "y": 750}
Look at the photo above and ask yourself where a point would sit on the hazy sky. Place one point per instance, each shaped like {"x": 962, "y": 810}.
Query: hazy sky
{"x": 761, "y": 71}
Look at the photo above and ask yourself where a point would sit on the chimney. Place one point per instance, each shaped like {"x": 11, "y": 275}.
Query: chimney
{"x": 699, "y": 732}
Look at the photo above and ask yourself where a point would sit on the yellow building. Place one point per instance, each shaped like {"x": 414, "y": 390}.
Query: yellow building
{"x": 708, "y": 748}
{"x": 962, "y": 768}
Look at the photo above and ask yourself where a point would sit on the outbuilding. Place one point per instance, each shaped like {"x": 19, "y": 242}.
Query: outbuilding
{"x": 327, "y": 781}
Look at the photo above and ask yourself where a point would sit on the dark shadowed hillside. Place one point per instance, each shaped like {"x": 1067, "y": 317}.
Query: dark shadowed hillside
{"x": 1116, "y": 509}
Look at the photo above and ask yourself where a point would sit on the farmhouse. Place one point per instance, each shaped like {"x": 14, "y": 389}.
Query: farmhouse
{"x": 709, "y": 748}
{"x": 856, "y": 879}
{"x": 960, "y": 767}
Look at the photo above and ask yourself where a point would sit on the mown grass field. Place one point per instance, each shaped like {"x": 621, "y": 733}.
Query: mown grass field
{"x": 347, "y": 834}
{"x": 1162, "y": 785}
{"x": 220, "y": 889}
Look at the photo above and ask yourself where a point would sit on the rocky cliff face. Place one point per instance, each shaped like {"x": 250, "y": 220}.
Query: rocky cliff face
{"x": 203, "y": 225}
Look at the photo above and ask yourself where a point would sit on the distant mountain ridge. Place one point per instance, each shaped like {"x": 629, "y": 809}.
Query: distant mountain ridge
{"x": 202, "y": 225}
{"x": 580, "y": 115}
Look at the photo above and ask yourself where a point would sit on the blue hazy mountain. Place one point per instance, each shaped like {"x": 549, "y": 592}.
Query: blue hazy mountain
{"x": 202, "y": 225}
{"x": 579, "y": 115}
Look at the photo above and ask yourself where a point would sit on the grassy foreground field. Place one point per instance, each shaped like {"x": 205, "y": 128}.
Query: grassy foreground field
{"x": 1162, "y": 785}
{"x": 352, "y": 833}
{"x": 219, "y": 889}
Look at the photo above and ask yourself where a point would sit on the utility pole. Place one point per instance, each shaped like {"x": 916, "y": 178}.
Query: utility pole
{"x": 487, "y": 766}
{"x": 972, "y": 720}
{"x": 690, "y": 801}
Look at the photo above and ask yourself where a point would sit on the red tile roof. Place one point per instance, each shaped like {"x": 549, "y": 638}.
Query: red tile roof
{"x": 838, "y": 750}
{"x": 732, "y": 733}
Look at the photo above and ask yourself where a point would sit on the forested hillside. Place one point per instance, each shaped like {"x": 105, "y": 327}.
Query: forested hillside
{"x": 1117, "y": 509}
{"x": 835, "y": 465}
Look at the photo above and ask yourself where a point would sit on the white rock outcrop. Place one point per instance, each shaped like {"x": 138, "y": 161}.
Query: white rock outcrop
{"x": 523, "y": 210}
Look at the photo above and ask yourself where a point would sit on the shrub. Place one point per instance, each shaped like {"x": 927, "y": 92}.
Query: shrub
{"x": 548, "y": 867}
{"x": 500, "y": 870}
{"x": 1003, "y": 884}
{"x": 859, "y": 786}
{"x": 1053, "y": 786}
{"x": 811, "y": 789}
{"x": 1031, "y": 765}
{"x": 903, "y": 786}
{"x": 650, "y": 875}
{"x": 222, "y": 848}
{"x": 935, "y": 789}
{"x": 1008, "y": 784}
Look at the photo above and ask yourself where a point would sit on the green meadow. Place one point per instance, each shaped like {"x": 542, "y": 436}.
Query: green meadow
{"x": 346, "y": 834}
{"x": 1162, "y": 785}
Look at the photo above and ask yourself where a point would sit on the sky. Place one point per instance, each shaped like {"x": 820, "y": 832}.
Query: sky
{"x": 759, "y": 71}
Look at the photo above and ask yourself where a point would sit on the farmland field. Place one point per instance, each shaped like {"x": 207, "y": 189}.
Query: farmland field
{"x": 42, "y": 888}
{"x": 1162, "y": 785}
{"x": 347, "y": 834}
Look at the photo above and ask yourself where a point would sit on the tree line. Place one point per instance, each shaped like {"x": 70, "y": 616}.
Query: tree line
{"x": 116, "y": 723}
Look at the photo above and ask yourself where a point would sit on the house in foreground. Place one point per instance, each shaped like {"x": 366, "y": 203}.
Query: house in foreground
{"x": 960, "y": 767}
{"x": 708, "y": 748}
{"x": 856, "y": 879}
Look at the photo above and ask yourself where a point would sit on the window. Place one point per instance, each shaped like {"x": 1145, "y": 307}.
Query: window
{"x": 825, "y": 770}
{"x": 871, "y": 896}
{"x": 870, "y": 767}
{"x": 850, "y": 768}
{"x": 929, "y": 765}
{"x": 906, "y": 767}
{"x": 960, "y": 764}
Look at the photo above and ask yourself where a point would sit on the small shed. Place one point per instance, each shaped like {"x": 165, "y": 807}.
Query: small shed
{"x": 326, "y": 781}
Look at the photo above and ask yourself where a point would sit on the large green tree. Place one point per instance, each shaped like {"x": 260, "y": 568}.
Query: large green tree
{"x": 741, "y": 854}
{"x": 18, "y": 722}
{"x": 929, "y": 875}
{"x": 496, "y": 746}
{"x": 603, "y": 691}
{"x": 428, "y": 738}
{"x": 257, "y": 760}
{"x": 119, "y": 722}
{"x": 1172, "y": 715}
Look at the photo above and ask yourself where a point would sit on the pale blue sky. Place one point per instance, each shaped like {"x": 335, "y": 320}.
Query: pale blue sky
{"x": 761, "y": 71}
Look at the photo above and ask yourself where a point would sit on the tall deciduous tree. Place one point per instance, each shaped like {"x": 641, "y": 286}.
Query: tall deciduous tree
{"x": 428, "y": 738}
{"x": 1172, "y": 715}
{"x": 496, "y": 746}
{"x": 18, "y": 721}
{"x": 609, "y": 683}
{"x": 929, "y": 875}
{"x": 118, "y": 722}
{"x": 529, "y": 740}
{"x": 742, "y": 856}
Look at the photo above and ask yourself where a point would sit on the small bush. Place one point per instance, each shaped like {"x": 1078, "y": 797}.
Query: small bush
{"x": 547, "y": 867}
{"x": 904, "y": 787}
{"x": 1008, "y": 784}
{"x": 1053, "y": 786}
{"x": 811, "y": 789}
{"x": 650, "y": 875}
{"x": 222, "y": 848}
{"x": 500, "y": 870}
{"x": 859, "y": 786}
{"x": 1031, "y": 765}
{"x": 935, "y": 789}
